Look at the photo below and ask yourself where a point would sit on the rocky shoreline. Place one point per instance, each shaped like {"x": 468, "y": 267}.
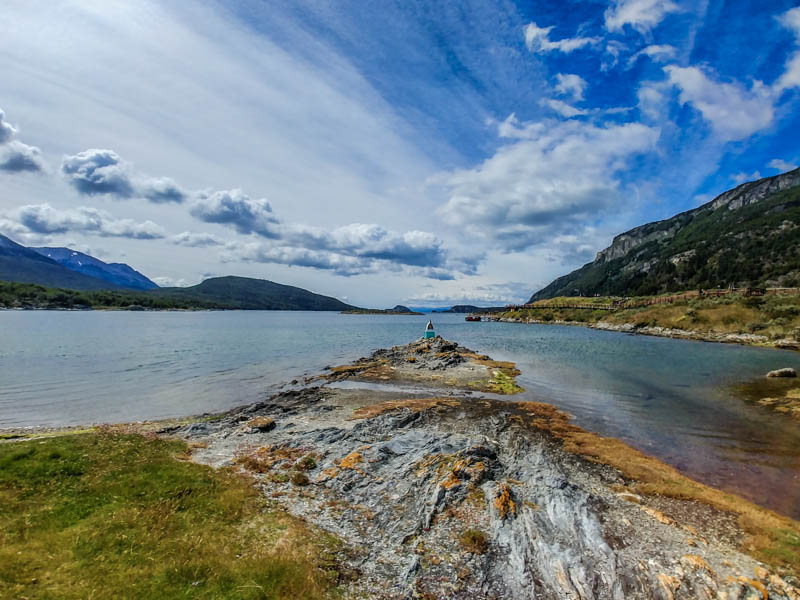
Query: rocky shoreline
{"x": 443, "y": 490}
{"x": 748, "y": 339}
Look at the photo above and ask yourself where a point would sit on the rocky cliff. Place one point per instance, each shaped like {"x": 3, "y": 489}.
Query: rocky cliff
{"x": 749, "y": 235}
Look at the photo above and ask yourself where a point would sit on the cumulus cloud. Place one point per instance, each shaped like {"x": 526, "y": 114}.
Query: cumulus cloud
{"x": 571, "y": 85}
{"x": 302, "y": 257}
{"x": 733, "y": 111}
{"x": 94, "y": 171}
{"x": 492, "y": 294}
{"x": 196, "y": 240}
{"x": 355, "y": 249}
{"x": 781, "y": 165}
{"x": 550, "y": 179}
{"x": 44, "y": 219}
{"x": 537, "y": 39}
{"x": 16, "y": 157}
{"x": 236, "y": 209}
{"x": 642, "y": 15}
{"x": 414, "y": 248}
{"x": 161, "y": 190}
{"x": 97, "y": 172}
{"x": 7, "y": 130}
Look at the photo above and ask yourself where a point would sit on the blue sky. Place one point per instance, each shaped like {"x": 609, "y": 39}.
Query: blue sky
{"x": 418, "y": 152}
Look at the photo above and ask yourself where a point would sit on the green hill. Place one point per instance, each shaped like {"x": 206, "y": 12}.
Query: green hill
{"x": 747, "y": 236}
{"x": 251, "y": 294}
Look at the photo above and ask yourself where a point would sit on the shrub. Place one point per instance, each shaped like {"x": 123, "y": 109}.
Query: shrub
{"x": 474, "y": 541}
{"x": 306, "y": 463}
{"x": 300, "y": 478}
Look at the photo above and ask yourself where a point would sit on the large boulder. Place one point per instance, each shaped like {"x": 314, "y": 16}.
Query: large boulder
{"x": 787, "y": 372}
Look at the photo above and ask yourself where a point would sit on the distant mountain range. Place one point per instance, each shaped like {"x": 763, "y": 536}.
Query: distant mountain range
{"x": 118, "y": 274}
{"x": 69, "y": 269}
{"x": 27, "y": 265}
{"x": 747, "y": 236}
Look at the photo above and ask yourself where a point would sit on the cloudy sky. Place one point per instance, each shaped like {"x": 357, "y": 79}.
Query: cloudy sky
{"x": 423, "y": 152}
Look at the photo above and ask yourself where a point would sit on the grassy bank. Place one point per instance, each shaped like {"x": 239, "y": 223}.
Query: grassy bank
{"x": 111, "y": 515}
{"x": 772, "y": 316}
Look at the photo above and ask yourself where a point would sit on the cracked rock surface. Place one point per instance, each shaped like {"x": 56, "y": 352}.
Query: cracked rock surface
{"x": 457, "y": 497}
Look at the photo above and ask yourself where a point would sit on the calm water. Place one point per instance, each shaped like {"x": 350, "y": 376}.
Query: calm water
{"x": 666, "y": 397}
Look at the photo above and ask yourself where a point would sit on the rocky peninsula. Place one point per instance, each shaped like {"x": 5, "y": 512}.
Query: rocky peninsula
{"x": 441, "y": 486}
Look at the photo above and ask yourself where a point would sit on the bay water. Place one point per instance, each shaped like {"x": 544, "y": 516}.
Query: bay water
{"x": 670, "y": 398}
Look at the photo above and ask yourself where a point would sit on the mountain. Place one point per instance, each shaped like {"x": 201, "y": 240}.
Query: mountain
{"x": 747, "y": 236}
{"x": 118, "y": 274}
{"x": 252, "y": 294}
{"x": 25, "y": 265}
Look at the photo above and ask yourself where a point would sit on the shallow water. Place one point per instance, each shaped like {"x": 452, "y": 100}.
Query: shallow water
{"x": 670, "y": 398}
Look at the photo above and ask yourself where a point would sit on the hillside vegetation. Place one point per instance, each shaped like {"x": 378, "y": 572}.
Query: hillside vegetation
{"x": 772, "y": 316}
{"x": 222, "y": 293}
{"x": 251, "y": 294}
{"x": 748, "y": 236}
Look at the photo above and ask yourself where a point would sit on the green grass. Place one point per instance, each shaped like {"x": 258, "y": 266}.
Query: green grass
{"x": 101, "y": 515}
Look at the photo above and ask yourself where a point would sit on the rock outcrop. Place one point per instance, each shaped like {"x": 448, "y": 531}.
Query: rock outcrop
{"x": 467, "y": 497}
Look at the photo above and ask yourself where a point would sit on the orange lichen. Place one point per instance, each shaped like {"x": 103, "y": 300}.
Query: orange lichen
{"x": 659, "y": 516}
{"x": 754, "y": 583}
{"x": 669, "y": 584}
{"x": 504, "y": 503}
{"x": 267, "y": 457}
{"x": 351, "y": 461}
{"x": 696, "y": 562}
{"x": 261, "y": 423}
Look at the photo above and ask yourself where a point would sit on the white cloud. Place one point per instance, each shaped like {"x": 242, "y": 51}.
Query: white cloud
{"x": 236, "y": 209}
{"x": 170, "y": 282}
{"x": 16, "y": 157}
{"x": 571, "y": 85}
{"x": 196, "y": 240}
{"x": 565, "y": 110}
{"x": 7, "y": 130}
{"x": 44, "y": 219}
{"x": 742, "y": 177}
{"x": 642, "y": 15}
{"x": 551, "y": 179}
{"x": 537, "y": 39}
{"x": 96, "y": 172}
{"x": 781, "y": 165}
{"x": 791, "y": 75}
{"x": 735, "y": 113}
{"x": 653, "y": 99}
{"x": 658, "y": 53}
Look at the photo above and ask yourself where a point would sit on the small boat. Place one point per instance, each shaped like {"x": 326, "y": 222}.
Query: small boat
{"x": 472, "y": 318}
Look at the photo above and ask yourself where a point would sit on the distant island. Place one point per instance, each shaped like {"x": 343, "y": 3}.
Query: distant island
{"x": 469, "y": 308}
{"x": 397, "y": 310}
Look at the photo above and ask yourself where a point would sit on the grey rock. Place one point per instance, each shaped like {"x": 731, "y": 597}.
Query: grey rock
{"x": 787, "y": 372}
